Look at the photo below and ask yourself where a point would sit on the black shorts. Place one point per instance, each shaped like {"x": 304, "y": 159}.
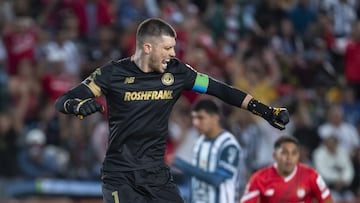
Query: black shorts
{"x": 153, "y": 185}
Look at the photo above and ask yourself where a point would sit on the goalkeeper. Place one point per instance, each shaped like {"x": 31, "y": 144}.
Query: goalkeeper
{"x": 140, "y": 92}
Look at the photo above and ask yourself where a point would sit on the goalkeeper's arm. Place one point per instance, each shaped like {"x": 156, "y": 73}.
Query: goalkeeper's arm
{"x": 78, "y": 101}
{"x": 277, "y": 117}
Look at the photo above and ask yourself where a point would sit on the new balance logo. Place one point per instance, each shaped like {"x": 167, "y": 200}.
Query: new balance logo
{"x": 129, "y": 80}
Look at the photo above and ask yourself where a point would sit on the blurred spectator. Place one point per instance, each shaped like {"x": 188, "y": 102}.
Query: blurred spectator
{"x": 24, "y": 8}
{"x": 289, "y": 48}
{"x": 320, "y": 103}
{"x": 20, "y": 37}
{"x": 130, "y": 11}
{"x": 56, "y": 80}
{"x": 68, "y": 51}
{"x": 103, "y": 49}
{"x": 304, "y": 129}
{"x": 246, "y": 131}
{"x": 355, "y": 186}
{"x": 91, "y": 14}
{"x": 346, "y": 134}
{"x": 38, "y": 160}
{"x": 4, "y": 97}
{"x": 302, "y": 16}
{"x": 2, "y": 56}
{"x": 99, "y": 139}
{"x": 343, "y": 14}
{"x": 125, "y": 40}
{"x": 260, "y": 75}
{"x": 70, "y": 23}
{"x": 8, "y": 146}
{"x": 351, "y": 107}
{"x": 286, "y": 43}
{"x": 6, "y": 11}
{"x": 77, "y": 141}
{"x": 335, "y": 166}
{"x": 324, "y": 29}
{"x": 268, "y": 16}
{"x": 352, "y": 61}
{"x": 25, "y": 92}
{"x": 224, "y": 20}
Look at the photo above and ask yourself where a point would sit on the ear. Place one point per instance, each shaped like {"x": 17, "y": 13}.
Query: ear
{"x": 147, "y": 48}
{"x": 274, "y": 155}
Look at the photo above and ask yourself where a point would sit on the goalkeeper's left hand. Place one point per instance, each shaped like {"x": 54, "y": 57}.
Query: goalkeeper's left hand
{"x": 279, "y": 118}
{"x": 82, "y": 108}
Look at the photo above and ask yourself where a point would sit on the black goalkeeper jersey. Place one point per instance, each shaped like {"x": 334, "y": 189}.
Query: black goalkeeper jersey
{"x": 139, "y": 105}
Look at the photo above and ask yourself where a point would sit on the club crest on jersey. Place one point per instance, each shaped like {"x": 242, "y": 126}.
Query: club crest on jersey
{"x": 300, "y": 192}
{"x": 269, "y": 192}
{"x": 167, "y": 79}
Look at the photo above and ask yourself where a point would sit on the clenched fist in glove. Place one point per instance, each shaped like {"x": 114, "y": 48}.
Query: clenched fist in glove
{"x": 82, "y": 108}
{"x": 277, "y": 117}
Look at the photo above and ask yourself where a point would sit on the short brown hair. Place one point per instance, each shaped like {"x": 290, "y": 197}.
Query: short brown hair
{"x": 285, "y": 139}
{"x": 153, "y": 27}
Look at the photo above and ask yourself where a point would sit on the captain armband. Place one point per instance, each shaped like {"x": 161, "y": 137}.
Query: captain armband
{"x": 201, "y": 83}
{"x": 94, "y": 88}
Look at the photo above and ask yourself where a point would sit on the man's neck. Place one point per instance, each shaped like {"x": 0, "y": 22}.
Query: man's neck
{"x": 214, "y": 133}
{"x": 283, "y": 173}
{"x": 140, "y": 62}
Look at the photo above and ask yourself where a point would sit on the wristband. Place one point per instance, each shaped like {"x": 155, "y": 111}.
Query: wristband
{"x": 260, "y": 109}
{"x": 69, "y": 105}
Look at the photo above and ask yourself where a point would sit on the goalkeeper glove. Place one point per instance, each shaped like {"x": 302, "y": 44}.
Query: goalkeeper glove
{"x": 82, "y": 108}
{"x": 277, "y": 117}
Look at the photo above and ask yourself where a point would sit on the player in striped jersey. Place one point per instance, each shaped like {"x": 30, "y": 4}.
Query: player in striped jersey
{"x": 287, "y": 180}
{"x": 216, "y": 160}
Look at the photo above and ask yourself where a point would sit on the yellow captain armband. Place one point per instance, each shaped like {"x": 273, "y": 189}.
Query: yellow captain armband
{"x": 95, "y": 89}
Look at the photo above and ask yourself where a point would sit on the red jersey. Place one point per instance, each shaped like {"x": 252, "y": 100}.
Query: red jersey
{"x": 19, "y": 45}
{"x": 352, "y": 62}
{"x": 56, "y": 85}
{"x": 301, "y": 186}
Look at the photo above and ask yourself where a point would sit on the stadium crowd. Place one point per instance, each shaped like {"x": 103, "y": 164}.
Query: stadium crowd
{"x": 301, "y": 54}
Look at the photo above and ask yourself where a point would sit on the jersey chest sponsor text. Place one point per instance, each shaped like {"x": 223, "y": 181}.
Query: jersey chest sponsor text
{"x": 148, "y": 95}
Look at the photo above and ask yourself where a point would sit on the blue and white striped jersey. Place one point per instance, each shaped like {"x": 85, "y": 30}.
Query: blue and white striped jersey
{"x": 216, "y": 157}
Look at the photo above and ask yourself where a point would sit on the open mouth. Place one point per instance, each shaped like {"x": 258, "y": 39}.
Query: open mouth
{"x": 165, "y": 63}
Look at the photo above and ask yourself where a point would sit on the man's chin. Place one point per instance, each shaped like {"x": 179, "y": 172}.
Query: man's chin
{"x": 160, "y": 70}
{"x": 290, "y": 169}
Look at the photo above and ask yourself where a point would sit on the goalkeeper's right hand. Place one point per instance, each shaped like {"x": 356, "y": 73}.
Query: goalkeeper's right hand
{"x": 83, "y": 108}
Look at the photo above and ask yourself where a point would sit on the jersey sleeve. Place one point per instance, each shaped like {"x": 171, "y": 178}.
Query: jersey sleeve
{"x": 229, "y": 160}
{"x": 202, "y": 83}
{"x": 252, "y": 191}
{"x": 319, "y": 188}
{"x": 195, "y": 81}
{"x": 99, "y": 81}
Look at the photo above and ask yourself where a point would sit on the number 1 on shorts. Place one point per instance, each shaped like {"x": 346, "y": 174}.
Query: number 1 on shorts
{"x": 115, "y": 194}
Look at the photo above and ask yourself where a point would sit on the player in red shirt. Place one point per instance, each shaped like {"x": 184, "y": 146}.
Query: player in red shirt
{"x": 287, "y": 180}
